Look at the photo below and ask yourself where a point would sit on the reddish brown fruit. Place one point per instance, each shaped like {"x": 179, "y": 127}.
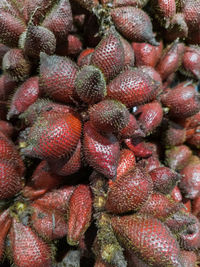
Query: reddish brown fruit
{"x": 109, "y": 116}
{"x": 189, "y": 239}
{"x": 16, "y": 65}
{"x": 146, "y": 54}
{"x": 57, "y": 77}
{"x": 41, "y": 181}
{"x": 79, "y": 214}
{"x": 119, "y": 3}
{"x": 179, "y": 221}
{"x": 101, "y": 151}
{"x": 85, "y": 57}
{"x": 129, "y": 56}
{"x": 176, "y": 194}
{"x": 188, "y": 258}
{"x": 150, "y": 163}
{"x": 132, "y": 88}
{"x": 6, "y": 128}
{"x": 108, "y": 56}
{"x": 178, "y": 157}
{"x": 56, "y": 200}
{"x": 90, "y": 84}
{"x": 153, "y": 74}
{"x": 190, "y": 182}
{"x": 67, "y": 166}
{"x": 131, "y": 129}
{"x": 88, "y": 4}
{"x": 38, "y": 39}
{"x": 43, "y": 106}
{"x": 139, "y": 147}
{"x": 171, "y": 60}
{"x": 183, "y": 101}
{"x": 27, "y": 248}
{"x": 175, "y": 135}
{"x": 126, "y": 163}
{"x": 53, "y": 136}
{"x": 164, "y": 179}
{"x": 196, "y": 207}
{"x": 191, "y": 61}
{"x": 10, "y": 181}
{"x": 48, "y": 223}
{"x": 191, "y": 11}
{"x": 9, "y": 154}
{"x": 74, "y": 45}
{"x": 134, "y": 24}
{"x": 160, "y": 206}
{"x": 7, "y": 86}
{"x": 150, "y": 238}
{"x": 165, "y": 10}
{"x": 150, "y": 117}
{"x": 59, "y": 20}
{"x": 11, "y": 28}
{"x": 30, "y": 12}
{"x": 129, "y": 192}
{"x": 194, "y": 140}
{"x": 5, "y": 223}
{"x": 25, "y": 95}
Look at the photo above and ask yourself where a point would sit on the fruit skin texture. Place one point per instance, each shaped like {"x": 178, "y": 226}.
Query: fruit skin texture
{"x": 108, "y": 56}
{"x": 132, "y": 88}
{"x": 150, "y": 117}
{"x": 191, "y": 61}
{"x": 53, "y": 136}
{"x": 25, "y": 95}
{"x": 126, "y": 162}
{"x": 57, "y": 77}
{"x": 150, "y": 238}
{"x": 134, "y": 24}
{"x": 5, "y": 223}
{"x": 190, "y": 182}
{"x": 79, "y": 214}
{"x": 101, "y": 151}
{"x": 164, "y": 179}
{"x": 27, "y": 248}
{"x": 109, "y": 116}
{"x": 129, "y": 192}
{"x": 183, "y": 101}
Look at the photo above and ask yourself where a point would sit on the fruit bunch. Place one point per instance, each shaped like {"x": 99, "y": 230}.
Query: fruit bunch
{"x": 99, "y": 133}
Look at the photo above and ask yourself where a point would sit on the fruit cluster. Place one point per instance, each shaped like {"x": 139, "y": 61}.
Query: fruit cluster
{"x": 100, "y": 133}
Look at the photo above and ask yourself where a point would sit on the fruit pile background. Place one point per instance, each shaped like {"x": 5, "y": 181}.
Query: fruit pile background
{"x": 100, "y": 133}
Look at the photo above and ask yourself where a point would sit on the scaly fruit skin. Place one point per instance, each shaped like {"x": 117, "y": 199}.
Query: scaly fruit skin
{"x": 101, "y": 151}
{"x": 27, "y": 248}
{"x": 109, "y": 116}
{"x": 159, "y": 206}
{"x": 5, "y": 223}
{"x": 175, "y": 134}
{"x": 79, "y": 214}
{"x": 129, "y": 192}
{"x": 150, "y": 117}
{"x": 183, "y": 101}
{"x": 3, "y": 50}
{"x": 191, "y": 61}
{"x": 126, "y": 163}
{"x": 84, "y": 57}
{"x": 108, "y": 56}
{"x": 25, "y": 95}
{"x": 150, "y": 238}
{"x": 164, "y": 179}
{"x": 90, "y": 84}
{"x": 49, "y": 224}
{"x": 53, "y": 136}
{"x": 59, "y": 20}
{"x": 16, "y": 65}
{"x": 171, "y": 60}
{"x": 132, "y": 88}
{"x": 134, "y": 24}
{"x": 57, "y": 77}
{"x": 188, "y": 258}
{"x": 190, "y": 182}
{"x": 178, "y": 157}
{"x": 129, "y": 56}
{"x": 7, "y": 128}
{"x": 146, "y": 54}
{"x": 38, "y": 39}
{"x": 11, "y": 28}
{"x": 165, "y": 10}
